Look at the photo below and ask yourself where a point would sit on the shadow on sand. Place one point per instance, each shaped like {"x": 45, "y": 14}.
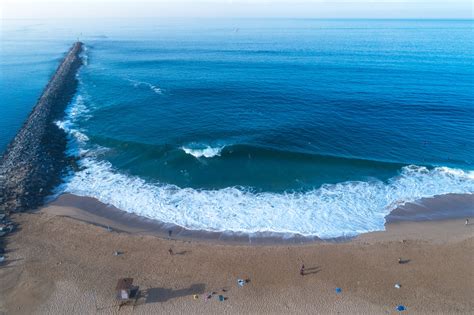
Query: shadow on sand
{"x": 312, "y": 270}
{"x": 154, "y": 295}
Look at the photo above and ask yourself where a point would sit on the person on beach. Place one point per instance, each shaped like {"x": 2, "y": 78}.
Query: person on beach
{"x": 302, "y": 270}
{"x": 467, "y": 222}
{"x": 170, "y": 251}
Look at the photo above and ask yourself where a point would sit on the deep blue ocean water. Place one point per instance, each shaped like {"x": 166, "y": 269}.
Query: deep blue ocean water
{"x": 318, "y": 127}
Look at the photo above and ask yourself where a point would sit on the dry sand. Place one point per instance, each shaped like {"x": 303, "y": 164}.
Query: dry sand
{"x": 60, "y": 265}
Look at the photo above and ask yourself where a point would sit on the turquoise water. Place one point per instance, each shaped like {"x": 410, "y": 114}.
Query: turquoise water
{"x": 317, "y": 127}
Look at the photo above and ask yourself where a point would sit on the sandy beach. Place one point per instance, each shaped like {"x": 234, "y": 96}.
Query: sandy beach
{"x": 56, "y": 264}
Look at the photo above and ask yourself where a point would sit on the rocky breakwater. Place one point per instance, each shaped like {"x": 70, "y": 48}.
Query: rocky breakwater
{"x": 35, "y": 160}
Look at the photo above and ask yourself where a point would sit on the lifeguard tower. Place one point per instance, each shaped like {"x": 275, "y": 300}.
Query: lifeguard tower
{"x": 127, "y": 293}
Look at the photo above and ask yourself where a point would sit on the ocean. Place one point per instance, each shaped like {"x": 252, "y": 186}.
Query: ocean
{"x": 287, "y": 126}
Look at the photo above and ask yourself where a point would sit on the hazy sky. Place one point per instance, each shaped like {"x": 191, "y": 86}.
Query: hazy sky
{"x": 238, "y": 8}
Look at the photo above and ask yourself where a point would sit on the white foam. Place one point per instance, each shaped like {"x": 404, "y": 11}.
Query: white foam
{"x": 152, "y": 87}
{"x": 77, "y": 137}
{"x": 84, "y": 55}
{"x": 344, "y": 209}
{"x": 202, "y": 151}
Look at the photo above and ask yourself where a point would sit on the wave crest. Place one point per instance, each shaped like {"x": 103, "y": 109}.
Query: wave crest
{"x": 206, "y": 151}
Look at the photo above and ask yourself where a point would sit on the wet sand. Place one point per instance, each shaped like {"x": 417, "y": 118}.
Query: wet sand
{"x": 447, "y": 207}
{"x": 57, "y": 264}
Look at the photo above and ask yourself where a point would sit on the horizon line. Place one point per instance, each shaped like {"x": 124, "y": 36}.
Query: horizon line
{"x": 247, "y": 18}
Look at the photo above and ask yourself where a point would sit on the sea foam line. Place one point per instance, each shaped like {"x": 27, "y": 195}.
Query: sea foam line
{"x": 343, "y": 209}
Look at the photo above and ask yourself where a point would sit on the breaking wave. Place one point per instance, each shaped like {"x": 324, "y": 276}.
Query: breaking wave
{"x": 206, "y": 151}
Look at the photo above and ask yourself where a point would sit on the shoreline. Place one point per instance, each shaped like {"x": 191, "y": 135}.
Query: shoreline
{"x": 93, "y": 211}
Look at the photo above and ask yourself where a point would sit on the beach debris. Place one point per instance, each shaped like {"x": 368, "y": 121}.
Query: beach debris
{"x": 118, "y": 253}
{"x": 221, "y": 298}
{"x": 401, "y": 308}
{"x": 195, "y": 296}
{"x": 397, "y": 285}
{"x": 467, "y": 222}
{"x": 338, "y": 290}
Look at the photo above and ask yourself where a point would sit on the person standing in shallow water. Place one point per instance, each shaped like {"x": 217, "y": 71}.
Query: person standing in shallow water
{"x": 302, "y": 270}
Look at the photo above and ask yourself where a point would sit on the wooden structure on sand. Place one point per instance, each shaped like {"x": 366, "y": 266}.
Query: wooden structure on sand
{"x": 127, "y": 293}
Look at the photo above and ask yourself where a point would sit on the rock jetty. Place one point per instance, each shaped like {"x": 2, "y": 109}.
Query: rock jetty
{"x": 35, "y": 160}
